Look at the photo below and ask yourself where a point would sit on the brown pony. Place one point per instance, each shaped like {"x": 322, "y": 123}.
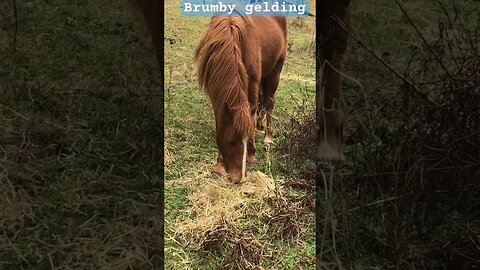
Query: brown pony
{"x": 332, "y": 43}
{"x": 239, "y": 60}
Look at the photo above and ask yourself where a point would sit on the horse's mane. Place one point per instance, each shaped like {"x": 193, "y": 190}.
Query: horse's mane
{"x": 221, "y": 72}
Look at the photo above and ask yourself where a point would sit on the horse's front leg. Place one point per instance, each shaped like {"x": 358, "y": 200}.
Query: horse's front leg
{"x": 219, "y": 168}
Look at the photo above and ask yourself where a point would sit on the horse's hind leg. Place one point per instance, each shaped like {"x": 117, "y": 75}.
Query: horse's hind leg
{"x": 333, "y": 44}
{"x": 271, "y": 85}
{"x": 253, "y": 97}
{"x": 260, "y": 117}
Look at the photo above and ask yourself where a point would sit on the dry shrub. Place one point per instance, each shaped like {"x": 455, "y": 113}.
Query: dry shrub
{"x": 285, "y": 222}
{"x": 301, "y": 139}
{"x": 426, "y": 169}
{"x": 299, "y": 144}
{"x": 242, "y": 249}
{"x": 289, "y": 206}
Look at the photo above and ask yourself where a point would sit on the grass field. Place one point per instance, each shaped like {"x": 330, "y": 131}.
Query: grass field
{"x": 191, "y": 151}
{"x": 80, "y": 138}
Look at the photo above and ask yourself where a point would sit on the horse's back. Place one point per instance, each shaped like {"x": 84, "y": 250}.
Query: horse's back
{"x": 267, "y": 42}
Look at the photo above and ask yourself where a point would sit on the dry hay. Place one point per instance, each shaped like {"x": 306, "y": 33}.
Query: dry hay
{"x": 218, "y": 202}
{"x": 227, "y": 217}
{"x": 220, "y": 210}
{"x": 15, "y": 207}
{"x": 169, "y": 157}
{"x": 168, "y": 154}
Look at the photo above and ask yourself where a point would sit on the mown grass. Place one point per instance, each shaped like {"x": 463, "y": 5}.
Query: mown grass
{"x": 80, "y": 138}
{"x": 190, "y": 140}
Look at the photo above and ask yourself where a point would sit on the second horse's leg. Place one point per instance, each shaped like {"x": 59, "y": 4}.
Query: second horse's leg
{"x": 260, "y": 116}
{"x": 253, "y": 97}
{"x": 271, "y": 85}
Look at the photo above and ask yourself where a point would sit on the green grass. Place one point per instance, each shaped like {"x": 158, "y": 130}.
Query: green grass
{"x": 190, "y": 138}
{"x": 80, "y": 138}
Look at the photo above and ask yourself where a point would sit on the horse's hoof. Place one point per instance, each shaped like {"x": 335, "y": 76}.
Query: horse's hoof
{"x": 268, "y": 140}
{"x": 328, "y": 156}
{"x": 219, "y": 170}
{"x": 259, "y": 133}
{"x": 251, "y": 159}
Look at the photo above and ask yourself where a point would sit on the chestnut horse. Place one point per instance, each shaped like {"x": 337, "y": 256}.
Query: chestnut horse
{"x": 239, "y": 60}
{"x": 331, "y": 42}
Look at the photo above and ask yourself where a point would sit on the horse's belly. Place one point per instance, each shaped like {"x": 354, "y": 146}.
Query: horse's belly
{"x": 273, "y": 47}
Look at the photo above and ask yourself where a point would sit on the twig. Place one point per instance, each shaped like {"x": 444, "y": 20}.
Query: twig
{"x": 375, "y": 203}
{"x": 423, "y": 39}
{"x": 15, "y": 112}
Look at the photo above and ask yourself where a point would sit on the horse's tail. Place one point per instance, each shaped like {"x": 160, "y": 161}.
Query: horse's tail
{"x": 221, "y": 72}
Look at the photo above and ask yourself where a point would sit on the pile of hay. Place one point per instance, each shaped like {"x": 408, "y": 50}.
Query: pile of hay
{"x": 218, "y": 202}
{"x": 224, "y": 216}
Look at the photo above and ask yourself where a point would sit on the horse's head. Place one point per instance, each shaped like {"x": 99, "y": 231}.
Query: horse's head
{"x": 232, "y": 144}
{"x": 223, "y": 76}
